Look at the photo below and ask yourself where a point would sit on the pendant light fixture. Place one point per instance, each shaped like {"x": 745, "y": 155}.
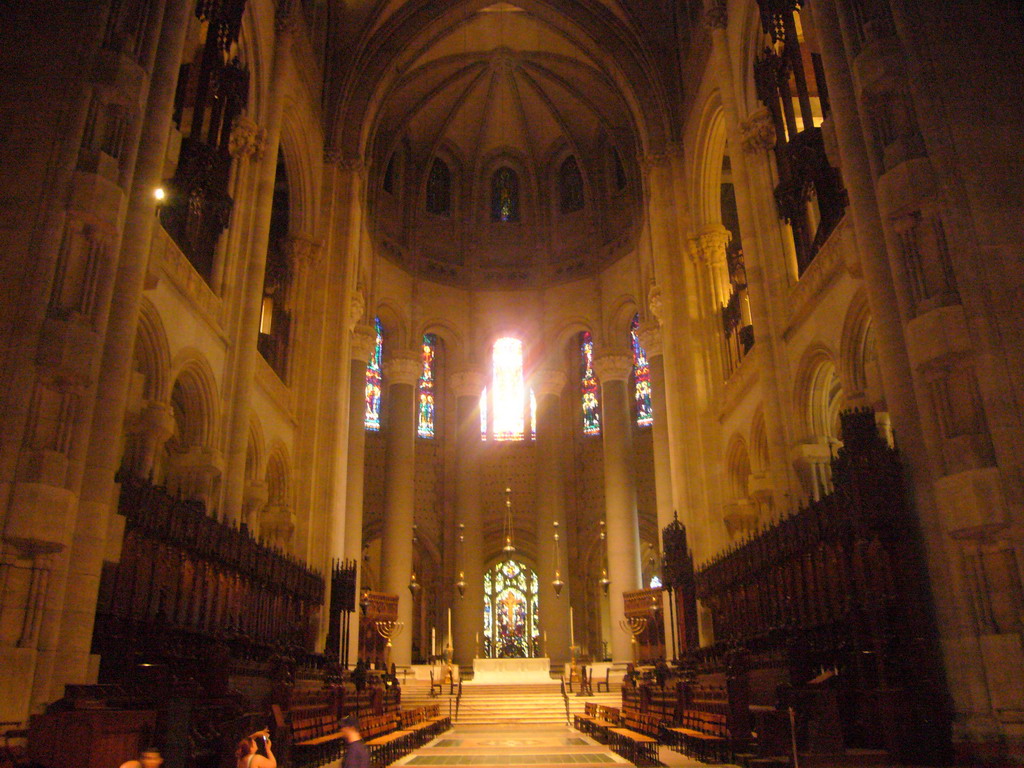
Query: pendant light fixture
{"x": 510, "y": 545}
{"x": 557, "y": 583}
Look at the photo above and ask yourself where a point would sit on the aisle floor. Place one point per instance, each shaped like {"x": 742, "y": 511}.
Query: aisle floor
{"x": 522, "y": 746}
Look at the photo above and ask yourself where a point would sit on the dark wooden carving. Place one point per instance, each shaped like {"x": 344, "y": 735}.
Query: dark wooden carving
{"x": 677, "y": 569}
{"x": 840, "y": 586}
{"x": 212, "y": 92}
{"x": 782, "y": 74}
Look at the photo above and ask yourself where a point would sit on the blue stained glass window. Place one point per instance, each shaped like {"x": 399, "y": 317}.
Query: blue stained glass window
{"x": 589, "y": 387}
{"x": 425, "y": 427}
{"x": 641, "y": 378}
{"x": 505, "y": 195}
{"x": 374, "y": 381}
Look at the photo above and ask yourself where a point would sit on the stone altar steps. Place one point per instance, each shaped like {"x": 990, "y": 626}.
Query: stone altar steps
{"x": 494, "y": 704}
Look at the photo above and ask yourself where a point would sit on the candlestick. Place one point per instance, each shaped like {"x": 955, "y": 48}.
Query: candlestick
{"x": 572, "y": 633}
{"x": 449, "y": 626}
{"x": 433, "y": 641}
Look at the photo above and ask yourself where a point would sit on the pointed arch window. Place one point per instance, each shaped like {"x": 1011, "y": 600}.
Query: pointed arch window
{"x": 439, "y": 188}
{"x": 374, "y": 380}
{"x": 589, "y": 386}
{"x": 641, "y": 377}
{"x": 620, "y": 171}
{"x": 506, "y": 404}
{"x": 505, "y": 195}
{"x": 390, "y": 175}
{"x": 570, "y": 185}
{"x": 425, "y": 428}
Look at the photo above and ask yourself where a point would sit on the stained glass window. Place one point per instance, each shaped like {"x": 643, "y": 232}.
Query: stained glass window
{"x": 655, "y": 582}
{"x": 508, "y": 391}
{"x": 641, "y": 378}
{"x": 505, "y": 195}
{"x": 425, "y": 428}
{"x": 570, "y": 186}
{"x": 373, "y": 381}
{"x": 439, "y": 188}
{"x": 589, "y": 386}
{"x": 511, "y": 626}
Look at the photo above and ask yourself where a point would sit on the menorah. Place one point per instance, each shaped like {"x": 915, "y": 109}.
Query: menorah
{"x": 388, "y": 630}
{"x": 633, "y": 626}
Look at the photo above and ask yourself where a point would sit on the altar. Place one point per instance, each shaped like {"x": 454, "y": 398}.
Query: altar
{"x": 498, "y": 671}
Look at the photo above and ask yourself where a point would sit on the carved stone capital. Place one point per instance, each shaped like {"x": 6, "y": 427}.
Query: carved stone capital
{"x": 248, "y": 139}
{"x": 549, "y": 382}
{"x": 468, "y": 382}
{"x": 157, "y": 422}
{"x": 758, "y": 131}
{"x": 403, "y": 367}
{"x": 613, "y": 366}
{"x": 356, "y": 308}
{"x": 716, "y": 16}
{"x": 364, "y": 341}
{"x": 709, "y": 245}
{"x": 303, "y": 252}
{"x": 650, "y": 339}
{"x": 655, "y": 303}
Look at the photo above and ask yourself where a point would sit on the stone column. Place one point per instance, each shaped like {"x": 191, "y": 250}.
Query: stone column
{"x": 98, "y": 532}
{"x": 347, "y": 522}
{"x": 941, "y": 505}
{"x": 253, "y": 271}
{"x": 650, "y": 339}
{"x": 469, "y": 555}
{"x": 401, "y": 372}
{"x": 550, "y": 509}
{"x": 623, "y": 540}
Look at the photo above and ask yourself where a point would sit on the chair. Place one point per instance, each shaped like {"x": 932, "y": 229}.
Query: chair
{"x": 605, "y": 682}
{"x": 435, "y": 684}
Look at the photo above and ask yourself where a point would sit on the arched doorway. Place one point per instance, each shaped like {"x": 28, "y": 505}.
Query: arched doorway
{"x": 510, "y": 611}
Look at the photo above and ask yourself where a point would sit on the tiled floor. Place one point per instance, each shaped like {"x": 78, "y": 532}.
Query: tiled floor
{"x": 509, "y": 747}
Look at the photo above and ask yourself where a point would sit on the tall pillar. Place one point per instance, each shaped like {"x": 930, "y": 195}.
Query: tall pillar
{"x": 550, "y": 509}
{"x": 650, "y": 339}
{"x": 623, "y": 538}
{"x": 469, "y": 555}
{"x": 252, "y": 277}
{"x": 348, "y": 521}
{"x": 960, "y": 500}
{"x": 401, "y": 371}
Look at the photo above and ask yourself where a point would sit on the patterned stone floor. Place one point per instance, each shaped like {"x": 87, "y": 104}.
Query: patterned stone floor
{"x": 512, "y": 747}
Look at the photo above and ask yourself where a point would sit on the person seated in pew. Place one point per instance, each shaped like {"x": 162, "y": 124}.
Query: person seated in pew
{"x": 356, "y": 753}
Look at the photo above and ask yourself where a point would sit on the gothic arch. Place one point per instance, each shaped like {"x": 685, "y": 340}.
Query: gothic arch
{"x": 394, "y": 321}
{"x": 450, "y": 338}
{"x": 624, "y": 309}
{"x": 152, "y": 354}
{"x": 737, "y": 468}
{"x": 194, "y": 400}
{"x": 278, "y": 476}
{"x": 710, "y": 149}
{"x": 819, "y": 395}
{"x": 255, "y": 451}
{"x": 854, "y": 348}
{"x": 304, "y": 161}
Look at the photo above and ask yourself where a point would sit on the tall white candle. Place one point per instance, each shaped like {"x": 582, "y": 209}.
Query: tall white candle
{"x": 572, "y": 632}
{"x": 433, "y": 641}
{"x": 449, "y": 627}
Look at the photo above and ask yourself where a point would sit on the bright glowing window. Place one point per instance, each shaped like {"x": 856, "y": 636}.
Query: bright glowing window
{"x": 589, "y": 386}
{"x": 425, "y": 428}
{"x": 373, "y": 381}
{"x": 511, "y": 621}
{"x": 508, "y": 391}
{"x": 507, "y": 404}
{"x": 655, "y": 582}
{"x": 641, "y": 378}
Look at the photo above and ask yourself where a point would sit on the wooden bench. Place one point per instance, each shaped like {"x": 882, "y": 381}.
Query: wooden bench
{"x": 388, "y": 747}
{"x": 635, "y": 747}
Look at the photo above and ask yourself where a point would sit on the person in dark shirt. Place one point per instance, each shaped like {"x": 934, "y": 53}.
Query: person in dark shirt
{"x": 356, "y": 753}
